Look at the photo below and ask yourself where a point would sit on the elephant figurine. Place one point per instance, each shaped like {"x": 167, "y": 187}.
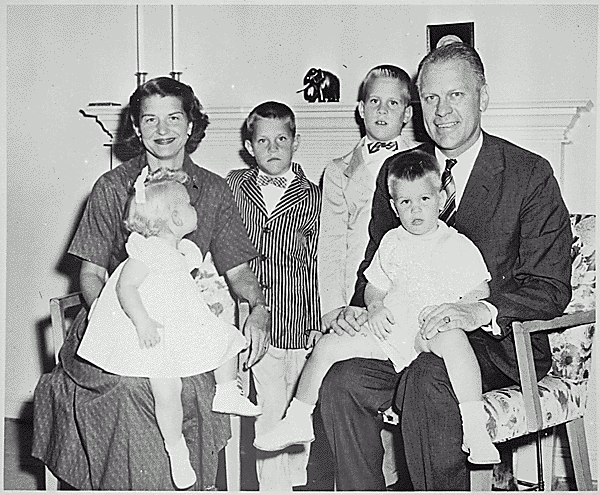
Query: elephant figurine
{"x": 321, "y": 86}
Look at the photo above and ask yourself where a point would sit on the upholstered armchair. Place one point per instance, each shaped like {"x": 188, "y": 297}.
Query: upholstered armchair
{"x": 560, "y": 397}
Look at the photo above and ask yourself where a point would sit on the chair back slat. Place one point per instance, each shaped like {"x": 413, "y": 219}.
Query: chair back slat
{"x": 58, "y": 310}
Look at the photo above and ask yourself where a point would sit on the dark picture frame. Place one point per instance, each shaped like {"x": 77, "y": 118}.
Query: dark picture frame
{"x": 463, "y": 30}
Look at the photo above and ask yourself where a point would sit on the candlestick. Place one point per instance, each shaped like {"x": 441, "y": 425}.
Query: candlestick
{"x": 139, "y": 17}
{"x": 141, "y": 78}
{"x": 174, "y": 37}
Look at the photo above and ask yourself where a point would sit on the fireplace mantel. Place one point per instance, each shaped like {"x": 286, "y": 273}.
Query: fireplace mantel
{"x": 329, "y": 130}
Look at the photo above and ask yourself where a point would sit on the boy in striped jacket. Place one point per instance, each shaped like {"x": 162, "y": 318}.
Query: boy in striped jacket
{"x": 281, "y": 209}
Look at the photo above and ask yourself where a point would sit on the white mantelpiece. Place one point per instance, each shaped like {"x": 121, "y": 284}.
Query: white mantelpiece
{"x": 330, "y": 130}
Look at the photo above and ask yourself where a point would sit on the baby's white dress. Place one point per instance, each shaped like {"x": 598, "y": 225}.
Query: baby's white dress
{"x": 193, "y": 339}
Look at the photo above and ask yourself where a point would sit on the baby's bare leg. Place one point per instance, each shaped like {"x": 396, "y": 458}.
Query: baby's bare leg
{"x": 227, "y": 371}
{"x": 169, "y": 416}
{"x": 465, "y": 376}
{"x": 296, "y": 427}
{"x": 463, "y": 369}
{"x": 330, "y": 349}
{"x": 167, "y": 407}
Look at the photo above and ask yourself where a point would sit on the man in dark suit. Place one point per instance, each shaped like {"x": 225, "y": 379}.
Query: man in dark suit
{"x": 509, "y": 204}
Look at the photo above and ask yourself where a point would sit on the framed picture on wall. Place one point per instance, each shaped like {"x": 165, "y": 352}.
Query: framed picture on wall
{"x": 446, "y": 33}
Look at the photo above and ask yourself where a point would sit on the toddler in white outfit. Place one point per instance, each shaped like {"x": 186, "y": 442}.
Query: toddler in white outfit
{"x": 418, "y": 266}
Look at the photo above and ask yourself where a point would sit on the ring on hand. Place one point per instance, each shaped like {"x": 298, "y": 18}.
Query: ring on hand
{"x": 446, "y": 319}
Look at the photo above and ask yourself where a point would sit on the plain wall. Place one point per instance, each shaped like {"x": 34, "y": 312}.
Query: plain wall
{"x": 61, "y": 57}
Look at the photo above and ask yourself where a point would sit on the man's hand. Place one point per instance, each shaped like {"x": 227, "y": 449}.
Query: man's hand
{"x": 450, "y": 316}
{"x": 313, "y": 338}
{"x": 380, "y": 321}
{"x": 350, "y": 320}
{"x": 257, "y": 330}
{"x": 328, "y": 318}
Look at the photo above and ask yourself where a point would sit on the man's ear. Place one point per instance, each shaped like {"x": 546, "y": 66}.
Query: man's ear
{"x": 176, "y": 217}
{"x": 248, "y": 146}
{"x": 296, "y": 143}
{"x": 484, "y": 98}
{"x": 393, "y": 205}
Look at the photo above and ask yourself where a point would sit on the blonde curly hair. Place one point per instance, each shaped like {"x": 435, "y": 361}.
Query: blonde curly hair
{"x": 151, "y": 217}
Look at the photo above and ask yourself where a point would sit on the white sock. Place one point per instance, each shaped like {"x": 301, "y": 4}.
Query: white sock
{"x": 230, "y": 387}
{"x": 472, "y": 413}
{"x": 298, "y": 408}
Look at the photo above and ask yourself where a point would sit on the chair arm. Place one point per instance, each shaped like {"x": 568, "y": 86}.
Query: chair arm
{"x": 522, "y": 334}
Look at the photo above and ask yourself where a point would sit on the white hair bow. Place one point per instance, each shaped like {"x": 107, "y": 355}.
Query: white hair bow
{"x": 140, "y": 189}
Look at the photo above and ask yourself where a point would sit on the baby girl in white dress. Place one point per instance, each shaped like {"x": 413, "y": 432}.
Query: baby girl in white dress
{"x": 150, "y": 319}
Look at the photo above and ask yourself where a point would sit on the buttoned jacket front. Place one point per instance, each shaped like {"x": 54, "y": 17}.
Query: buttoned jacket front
{"x": 286, "y": 241}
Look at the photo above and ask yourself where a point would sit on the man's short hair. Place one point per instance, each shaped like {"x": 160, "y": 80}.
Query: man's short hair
{"x": 454, "y": 51}
{"x": 269, "y": 110}
{"x": 410, "y": 166}
{"x": 389, "y": 71}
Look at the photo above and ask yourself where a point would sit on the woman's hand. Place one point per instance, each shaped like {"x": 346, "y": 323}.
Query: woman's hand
{"x": 257, "y": 327}
{"x": 147, "y": 331}
{"x": 380, "y": 320}
{"x": 257, "y": 330}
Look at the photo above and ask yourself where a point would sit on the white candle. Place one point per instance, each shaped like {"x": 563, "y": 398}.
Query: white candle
{"x": 174, "y": 36}
{"x": 139, "y": 16}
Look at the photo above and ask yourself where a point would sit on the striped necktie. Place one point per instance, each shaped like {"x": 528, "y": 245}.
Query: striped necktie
{"x": 448, "y": 214}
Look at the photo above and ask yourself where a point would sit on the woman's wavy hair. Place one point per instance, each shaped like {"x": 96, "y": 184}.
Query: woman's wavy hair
{"x": 150, "y": 217}
{"x": 166, "y": 86}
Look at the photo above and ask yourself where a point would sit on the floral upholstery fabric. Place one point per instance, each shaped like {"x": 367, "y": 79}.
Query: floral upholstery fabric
{"x": 563, "y": 391}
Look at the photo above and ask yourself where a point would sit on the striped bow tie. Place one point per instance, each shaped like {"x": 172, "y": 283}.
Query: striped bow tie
{"x": 375, "y": 147}
{"x": 265, "y": 180}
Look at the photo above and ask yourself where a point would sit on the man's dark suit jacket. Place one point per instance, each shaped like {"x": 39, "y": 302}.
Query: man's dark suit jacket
{"x": 513, "y": 211}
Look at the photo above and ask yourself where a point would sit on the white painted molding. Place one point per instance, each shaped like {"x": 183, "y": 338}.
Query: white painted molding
{"x": 539, "y": 118}
{"x": 329, "y": 130}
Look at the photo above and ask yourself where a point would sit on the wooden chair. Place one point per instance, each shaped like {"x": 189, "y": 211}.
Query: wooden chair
{"x": 540, "y": 406}
{"x": 60, "y": 326}
{"x": 560, "y": 397}
{"x": 61, "y": 306}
